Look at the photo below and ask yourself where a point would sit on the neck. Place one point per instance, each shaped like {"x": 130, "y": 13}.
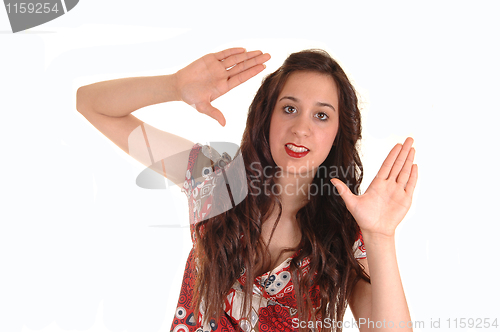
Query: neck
{"x": 294, "y": 192}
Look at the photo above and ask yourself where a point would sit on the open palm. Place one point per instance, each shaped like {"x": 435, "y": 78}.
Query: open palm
{"x": 388, "y": 198}
{"x": 214, "y": 74}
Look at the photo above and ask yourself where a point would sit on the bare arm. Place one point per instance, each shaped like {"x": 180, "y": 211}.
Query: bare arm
{"x": 383, "y": 300}
{"x": 108, "y": 105}
{"x": 378, "y": 212}
{"x": 118, "y": 98}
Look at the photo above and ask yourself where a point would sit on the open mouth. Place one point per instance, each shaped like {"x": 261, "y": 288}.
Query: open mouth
{"x": 296, "y": 151}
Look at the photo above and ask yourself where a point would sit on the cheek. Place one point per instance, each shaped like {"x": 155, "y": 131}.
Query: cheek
{"x": 334, "y": 131}
{"x": 334, "y": 136}
{"x": 328, "y": 139}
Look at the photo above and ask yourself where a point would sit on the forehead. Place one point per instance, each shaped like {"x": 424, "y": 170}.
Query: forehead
{"x": 308, "y": 84}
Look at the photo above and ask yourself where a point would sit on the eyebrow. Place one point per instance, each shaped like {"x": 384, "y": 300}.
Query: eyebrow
{"x": 317, "y": 104}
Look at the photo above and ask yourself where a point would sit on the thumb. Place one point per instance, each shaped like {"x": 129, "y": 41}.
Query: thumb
{"x": 208, "y": 109}
{"x": 344, "y": 192}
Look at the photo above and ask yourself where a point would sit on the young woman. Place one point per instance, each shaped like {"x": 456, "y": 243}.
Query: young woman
{"x": 287, "y": 254}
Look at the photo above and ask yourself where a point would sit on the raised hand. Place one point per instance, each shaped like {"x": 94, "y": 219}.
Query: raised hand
{"x": 388, "y": 198}
{"x": 214, "y": 74}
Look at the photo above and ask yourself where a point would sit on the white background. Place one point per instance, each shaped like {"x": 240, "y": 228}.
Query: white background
{"x": 82, "y": 248}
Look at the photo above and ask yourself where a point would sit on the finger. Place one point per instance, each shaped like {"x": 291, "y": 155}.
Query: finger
{"x": 212, "y": 112}
{"x": 404, "y": 175}
{"x": 400, "y": 160}
{"x": 344, "y": 192}
{"x": 412, "y": 182}
{"x": 238, "y": 58}
{"x": 227, "y": 53}
{"x": 245, "y": 76}
{"x": 386, "y": 167}
{"x": 242, "y": 66}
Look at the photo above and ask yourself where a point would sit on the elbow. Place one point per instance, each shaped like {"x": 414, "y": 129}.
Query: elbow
{"x": 81, "y": 99}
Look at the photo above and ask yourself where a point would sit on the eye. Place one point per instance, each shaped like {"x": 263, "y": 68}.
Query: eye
{"x": 289, "y": 109}
{"x": 322, "y": 116}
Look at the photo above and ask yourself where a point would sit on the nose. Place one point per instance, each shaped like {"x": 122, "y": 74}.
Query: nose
{"x": 301, "y": 126}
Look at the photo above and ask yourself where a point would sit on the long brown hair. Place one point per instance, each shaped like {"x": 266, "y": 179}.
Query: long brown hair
{"x": 232, "y": 240}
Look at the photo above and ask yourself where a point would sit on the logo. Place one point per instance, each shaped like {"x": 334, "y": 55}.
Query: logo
{"x": 219, "y": 178}
{"x": 25, "y": 14}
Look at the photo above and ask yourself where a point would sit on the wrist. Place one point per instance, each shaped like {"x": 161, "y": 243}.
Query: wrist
{"x": 377, "y": 237}
{"x": 172, "y": 84}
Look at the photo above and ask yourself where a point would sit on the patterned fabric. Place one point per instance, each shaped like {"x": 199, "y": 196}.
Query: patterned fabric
{"x": 273, "y": 302}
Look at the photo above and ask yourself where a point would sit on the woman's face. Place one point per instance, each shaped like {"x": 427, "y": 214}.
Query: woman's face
{"x": 305, "y": 122}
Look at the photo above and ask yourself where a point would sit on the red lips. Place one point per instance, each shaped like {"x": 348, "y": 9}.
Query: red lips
{"x": 294, "y": 154}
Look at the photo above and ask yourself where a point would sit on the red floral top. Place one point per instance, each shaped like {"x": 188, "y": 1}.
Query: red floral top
{"x": 273, "y": 303}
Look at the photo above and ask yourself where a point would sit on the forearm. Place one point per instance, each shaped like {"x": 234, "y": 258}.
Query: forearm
{"x": 388, "y": 301}
{"x": 120, "y": 97}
